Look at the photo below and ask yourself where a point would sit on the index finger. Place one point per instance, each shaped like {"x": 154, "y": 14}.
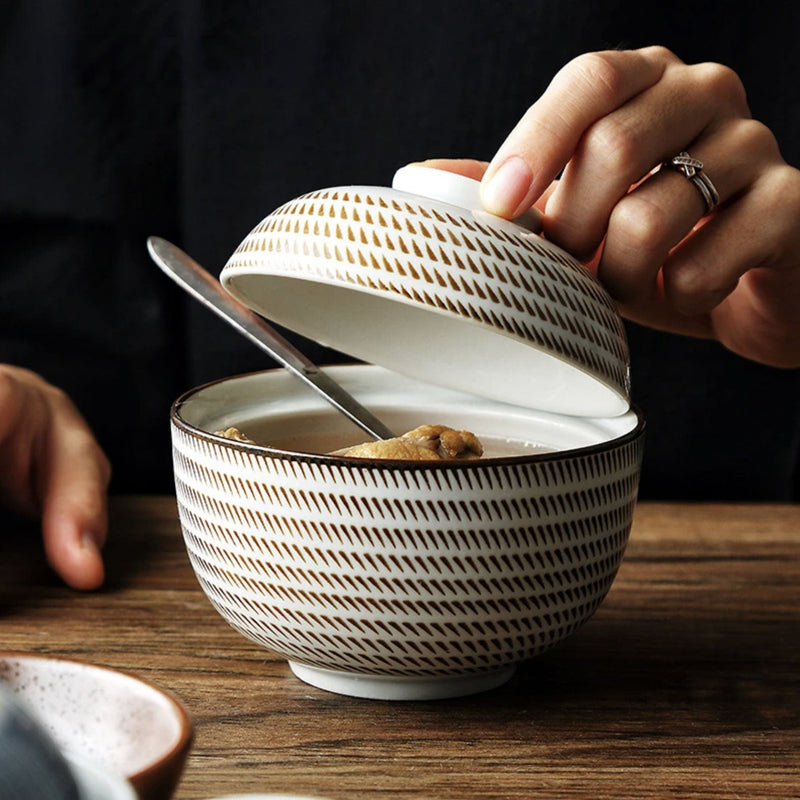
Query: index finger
{"x": 586, "y": 89}
{"x": 73, "y": 480}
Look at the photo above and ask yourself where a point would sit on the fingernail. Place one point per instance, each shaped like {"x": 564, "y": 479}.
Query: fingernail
{"x": 504, "y": 193}
{"x": 89, "y": 573}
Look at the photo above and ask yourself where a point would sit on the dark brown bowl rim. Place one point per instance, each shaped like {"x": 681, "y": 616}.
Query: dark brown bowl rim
{"x": 385, "y": 463}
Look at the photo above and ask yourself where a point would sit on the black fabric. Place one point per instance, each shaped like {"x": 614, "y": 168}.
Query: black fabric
{"x": 195, "y": 119}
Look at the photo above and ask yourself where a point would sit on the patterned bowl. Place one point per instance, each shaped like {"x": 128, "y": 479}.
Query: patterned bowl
{"x": 107, "y": 723}
{"x": 391, "y": 579}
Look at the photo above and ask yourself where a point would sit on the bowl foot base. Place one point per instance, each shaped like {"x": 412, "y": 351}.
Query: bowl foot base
{"x": 392, "y": 687}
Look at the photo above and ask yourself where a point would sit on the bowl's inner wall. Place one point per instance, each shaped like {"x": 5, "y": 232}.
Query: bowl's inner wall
{"x": 276, "y": 410}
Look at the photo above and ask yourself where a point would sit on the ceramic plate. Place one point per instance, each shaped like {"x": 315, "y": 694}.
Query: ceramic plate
{"x": 122, "y": 724}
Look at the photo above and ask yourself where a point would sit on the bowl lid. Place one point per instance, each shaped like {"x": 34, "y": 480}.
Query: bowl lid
{"x": 420, "y": 279}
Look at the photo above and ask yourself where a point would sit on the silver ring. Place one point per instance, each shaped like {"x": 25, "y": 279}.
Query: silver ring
{"x": 692, "y": 170}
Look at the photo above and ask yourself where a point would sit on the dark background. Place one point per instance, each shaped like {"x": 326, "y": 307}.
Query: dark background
{"x": 193, "y": 120}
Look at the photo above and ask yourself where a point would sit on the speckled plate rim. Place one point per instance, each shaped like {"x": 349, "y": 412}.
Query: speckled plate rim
{"x": 185, "y": 723}
{"x": 385, "y": 463}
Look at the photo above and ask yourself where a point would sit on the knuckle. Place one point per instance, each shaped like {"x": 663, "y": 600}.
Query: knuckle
{"x": 783, "y": 183}
{"x": 600, "y": 71}
{"x": 722, "y": 82}
{"x": 756, "y": 139}
{"x": 87, "y": 451}
{"x": 690, "y": 287}
{"x": 638, "y": 228}
{"x": 634, "y": 249}
{"x": 615, "y": 147}
{"x": 659, "y": 52}
{"x": 682, "y": 286}
{"x": 779, "y": 191}
{"x": 57, "y": 396}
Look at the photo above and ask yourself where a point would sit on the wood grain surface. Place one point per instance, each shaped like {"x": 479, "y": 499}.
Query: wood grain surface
{"x": 685, "y": 684}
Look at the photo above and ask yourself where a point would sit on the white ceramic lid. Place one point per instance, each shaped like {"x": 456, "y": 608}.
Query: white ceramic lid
{"x": 420, "y": 279}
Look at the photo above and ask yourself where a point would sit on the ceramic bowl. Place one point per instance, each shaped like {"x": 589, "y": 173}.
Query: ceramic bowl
{"x": 400, "y": 580}
{"x": 105, "y": 721}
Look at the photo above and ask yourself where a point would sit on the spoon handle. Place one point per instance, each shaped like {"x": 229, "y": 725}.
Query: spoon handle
{"x": 188, "y": 274}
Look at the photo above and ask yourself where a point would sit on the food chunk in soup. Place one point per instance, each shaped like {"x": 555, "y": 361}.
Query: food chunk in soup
{"x": 425, "y": 443}
{"x": 235, "y": 434}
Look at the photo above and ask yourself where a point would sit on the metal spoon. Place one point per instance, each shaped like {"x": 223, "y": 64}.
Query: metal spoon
{"x": 187, "y": 273}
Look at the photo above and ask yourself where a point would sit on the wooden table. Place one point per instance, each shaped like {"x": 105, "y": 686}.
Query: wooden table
{"x": 685, "y": 684}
